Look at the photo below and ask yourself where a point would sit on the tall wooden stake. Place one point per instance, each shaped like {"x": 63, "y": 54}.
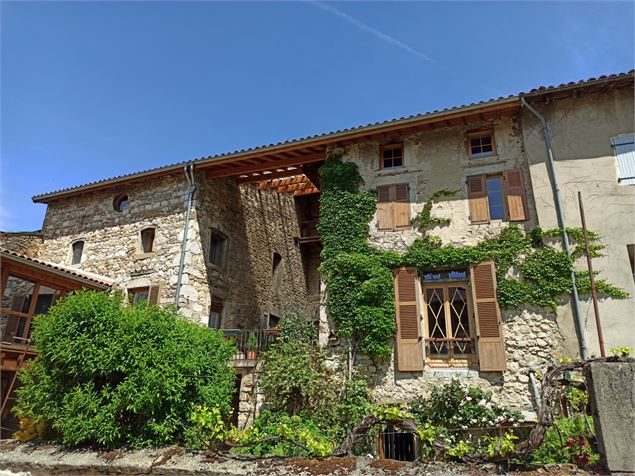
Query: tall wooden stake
{"x": 594, "y": 295}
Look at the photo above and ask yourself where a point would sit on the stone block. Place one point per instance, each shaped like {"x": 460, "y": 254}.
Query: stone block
{"x": 611, "y": 388}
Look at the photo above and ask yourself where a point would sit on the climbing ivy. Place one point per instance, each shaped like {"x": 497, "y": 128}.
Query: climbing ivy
{"x": 359, "y": 276}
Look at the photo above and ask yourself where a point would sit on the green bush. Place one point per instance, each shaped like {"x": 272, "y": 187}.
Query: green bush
{"x": 116, "y": 375}
{"x": 567, "y": 441}
{"x": 295, "y": 376}
{"x": 458, "y": 406}
{"x": 275, "y": 434}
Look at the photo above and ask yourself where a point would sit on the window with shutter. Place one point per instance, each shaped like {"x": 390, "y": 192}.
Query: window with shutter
{"x": 449, "y": 328}
{"x": 624, "y": 147}
{"x": 393, "y": 207}
{"x": 497, "y": 197}
{"x": 490, "y": 343}
{"x": 409, "y": 348}
{"x": 477, "y": 198}
{"x": 515, "y": 195}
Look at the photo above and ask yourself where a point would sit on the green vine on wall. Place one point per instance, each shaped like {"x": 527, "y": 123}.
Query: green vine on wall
{"x": 359, "y": 276}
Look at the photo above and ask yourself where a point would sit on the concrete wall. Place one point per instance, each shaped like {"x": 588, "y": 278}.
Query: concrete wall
{"x": 438, "y": 160}
{"x": 581, "y": 132}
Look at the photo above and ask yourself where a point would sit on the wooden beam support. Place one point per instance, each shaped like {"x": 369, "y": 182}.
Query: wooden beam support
{"x": 271, "y": 174}
{"x": 240, "y": 169}
{"x": 308, "y": 191}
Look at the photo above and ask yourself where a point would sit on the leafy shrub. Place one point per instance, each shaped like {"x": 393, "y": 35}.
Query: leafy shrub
{"x": 296, "y": 380}
{"x": 114, "y": 375}
{"x": 295, "y": 376}
{"x": 275, "y": 434}
{"x": 456, "y": 405}
{"x": 567, "y": 441}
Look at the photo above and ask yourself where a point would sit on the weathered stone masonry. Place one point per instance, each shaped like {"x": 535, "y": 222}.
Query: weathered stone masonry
{"x": 439, "y": 160}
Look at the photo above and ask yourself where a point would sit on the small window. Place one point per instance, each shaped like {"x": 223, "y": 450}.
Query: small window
{"x": 120, "y": 202}
{"x": 276, "y": 273}
{"x": 216, "y": 312}
{"x": 392, "y": 156}
{"x": 77, "y": 250}
{"x": 481, "y": 144}
{"x": 147, "y": 240}
{"x": 497, "y": 197}
{"x": 217, "y": 247}
{"x": 138, "y": 295}
{"x": 631, "y": 258}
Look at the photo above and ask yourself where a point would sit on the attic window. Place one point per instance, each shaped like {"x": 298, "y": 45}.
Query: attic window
{"x": 481, "y": 144}
{"x": 391, "y": 156}
{"x": 77, "y": 250}
{"x": 120, "y": 202}
{"x": 147, "y": 240}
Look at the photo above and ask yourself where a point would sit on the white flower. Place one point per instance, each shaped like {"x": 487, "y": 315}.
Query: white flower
{"x": 463, "y": 427}
{"x": 483, "y": 402}
{"x": 469, "y": 399}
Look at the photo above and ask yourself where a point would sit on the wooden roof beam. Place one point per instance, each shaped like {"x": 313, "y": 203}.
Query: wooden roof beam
{"x": 271, "y": 174}
{"x": 272, "y": 165}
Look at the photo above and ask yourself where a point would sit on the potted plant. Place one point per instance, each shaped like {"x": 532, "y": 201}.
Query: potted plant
{"x": 252, "y": 346}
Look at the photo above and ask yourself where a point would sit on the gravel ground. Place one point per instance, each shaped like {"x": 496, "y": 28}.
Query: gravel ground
{"x": 46, "y": 459}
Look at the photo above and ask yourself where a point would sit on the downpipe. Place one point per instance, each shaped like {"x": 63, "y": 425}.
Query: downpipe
{"x": 577, "y": 314}
{"x": 189, "y": 175}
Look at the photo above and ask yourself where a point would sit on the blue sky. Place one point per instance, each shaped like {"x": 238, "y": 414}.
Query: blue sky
{"x": 92, "y": 90}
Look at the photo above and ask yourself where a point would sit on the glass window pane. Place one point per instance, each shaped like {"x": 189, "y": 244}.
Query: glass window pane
{"x": 12, "y": 327}
{"x": 18, "y": 294}
{"x": 135, "y": 296}
{"x": 46, "y": 298}
{"x": 78, "y": 249}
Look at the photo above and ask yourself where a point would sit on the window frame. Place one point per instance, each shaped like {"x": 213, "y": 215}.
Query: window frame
{"x": 116, "y": 202}
{"x": 72, "y": 252}
{"x": 132, "y": 292}
{"x": 391, "y": 147}
{"x": 477, "y": 135}
{"x": 215, "y": 232}
{"x": 501, "y": 177}
{"x": 451, "y": 360}
{"x": 142, "y": 250}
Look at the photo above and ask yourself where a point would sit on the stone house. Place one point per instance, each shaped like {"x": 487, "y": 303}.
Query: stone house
{"x": 232, "y": 239}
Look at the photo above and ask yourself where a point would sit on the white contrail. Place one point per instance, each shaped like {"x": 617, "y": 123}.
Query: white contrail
{"x": 371, "y": 30}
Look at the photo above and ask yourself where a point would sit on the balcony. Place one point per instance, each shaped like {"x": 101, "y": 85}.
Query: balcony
{"x": 309, "y": 231}
{"x": 249, "y": 344}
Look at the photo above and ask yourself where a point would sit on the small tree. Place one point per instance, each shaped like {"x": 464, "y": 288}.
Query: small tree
{"x": 114, "y": 375}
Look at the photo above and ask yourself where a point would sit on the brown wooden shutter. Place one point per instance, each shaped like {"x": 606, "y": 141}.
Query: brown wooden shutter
{"x": 477, "y": 198}
{"x": 384, "y": 208}
{"x": 153, "y": 295}
{"x": 515, "y": 195}
{"x": 401, "y": 206}
{"x": 408, "y": 341}
{"x": 490, "y": 343}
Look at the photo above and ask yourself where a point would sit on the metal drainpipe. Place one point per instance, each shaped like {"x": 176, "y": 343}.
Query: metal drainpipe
{"x": 577, "y": 314}
{"x": 189, "y": 175}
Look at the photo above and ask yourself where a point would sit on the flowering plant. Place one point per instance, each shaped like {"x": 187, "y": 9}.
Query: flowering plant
{"x": 459, "y": 406}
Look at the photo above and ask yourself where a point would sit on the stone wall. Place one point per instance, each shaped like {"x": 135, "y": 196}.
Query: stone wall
{"x": 112, "y": 241}
{"x": 26, "y": 243}
{"x": 433, "y": 161}
{"x": 255, "y": 222}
